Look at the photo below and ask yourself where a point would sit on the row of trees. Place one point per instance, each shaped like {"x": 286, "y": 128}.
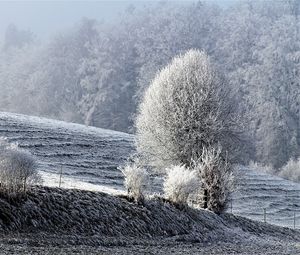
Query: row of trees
{"x": 187, "y": 125}
{"x": 96, "y": 73}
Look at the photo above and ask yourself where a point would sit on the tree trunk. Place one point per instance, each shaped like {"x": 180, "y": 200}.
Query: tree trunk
{"x": 205, "y": 199}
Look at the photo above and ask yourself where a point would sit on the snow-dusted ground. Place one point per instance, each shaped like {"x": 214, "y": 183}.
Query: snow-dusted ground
{"x": 257, "y": 191}
{"x": 87, "y": 154}
{"x": 68, "y": 182}
{"x": 89, "y": 158}
{"x": 85, "y": 222}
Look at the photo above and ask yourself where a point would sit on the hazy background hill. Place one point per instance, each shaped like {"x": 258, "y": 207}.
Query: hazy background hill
{"x": 95, "y": 72}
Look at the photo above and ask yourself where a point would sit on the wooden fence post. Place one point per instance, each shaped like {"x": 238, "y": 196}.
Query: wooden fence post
{"x": 60, "y": 176}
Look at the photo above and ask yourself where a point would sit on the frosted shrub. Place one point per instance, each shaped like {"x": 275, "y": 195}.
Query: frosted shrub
{"x": 216, "y": 178}
{"x": 136, "y": 181}
{"x": 291, "y": 170}
{"x": 17, "y": 170}
{"x": 179, "y": 183}
{"x": 261, "y": 167}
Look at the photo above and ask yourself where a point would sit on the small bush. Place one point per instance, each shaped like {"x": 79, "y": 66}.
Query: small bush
{"x": 291, "y": 170}
{"x": 18, "y": 170}
{"x": 136, "y": 181}
{"x": 261, "y": 168}
{"x": 216, "y": 178}
{"x": 179, "y": 183}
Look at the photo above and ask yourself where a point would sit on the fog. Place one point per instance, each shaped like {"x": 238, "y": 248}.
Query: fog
{"x": 44, "y": 18}
{"x": 90, "y": 62}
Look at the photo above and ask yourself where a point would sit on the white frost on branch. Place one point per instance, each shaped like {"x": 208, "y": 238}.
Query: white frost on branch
{"x": 18, "y": 169}
{"x": 180, "y": 183}
{"x": 136, "y": 181}
{"x": 187, "y": 107}
{"x": 216, "y": 177}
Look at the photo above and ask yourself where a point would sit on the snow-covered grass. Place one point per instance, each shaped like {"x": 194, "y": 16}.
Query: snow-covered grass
{"x": 87, "y": 154}
{"x": 90, "y": 162}
{"x": 67, "y": 182}
{"x": 57, "y": 124}
{"x": 86, "y": 213}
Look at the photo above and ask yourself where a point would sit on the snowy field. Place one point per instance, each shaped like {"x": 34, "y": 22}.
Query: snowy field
{"x": 257, "y": 191}
{"x": 89, "y": 157}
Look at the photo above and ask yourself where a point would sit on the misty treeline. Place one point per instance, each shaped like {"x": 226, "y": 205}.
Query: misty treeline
{"x": 96, "y": 73}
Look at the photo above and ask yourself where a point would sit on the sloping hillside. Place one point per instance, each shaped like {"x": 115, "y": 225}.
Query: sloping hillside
{"x": 90, "y": 156}
{"x": 257, "y": 191}
{"x": 86, "y": 154}
{"x": 98, "y": 216}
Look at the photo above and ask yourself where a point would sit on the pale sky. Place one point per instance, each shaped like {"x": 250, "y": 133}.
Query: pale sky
{"x": 44, "y": 18}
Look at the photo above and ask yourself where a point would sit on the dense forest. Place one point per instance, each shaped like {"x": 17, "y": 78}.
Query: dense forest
{"x": 96, "y": 72}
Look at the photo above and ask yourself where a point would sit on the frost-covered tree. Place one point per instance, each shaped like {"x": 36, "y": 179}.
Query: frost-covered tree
{"x": 166, "y": 30}
{"x": 273, "y": 93}
{"x": 294, "y": 7}
{"x": 216, "y": 179}
{"x": 108, "y": 80}
{"x": 96, "y": 73}
{"x": 16, "y": 38}
{"x": 61, "y": 63}
{"x": 264, "y": 72}
{"x": 18, "y": 71}
{"x": 185, "y": 108}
